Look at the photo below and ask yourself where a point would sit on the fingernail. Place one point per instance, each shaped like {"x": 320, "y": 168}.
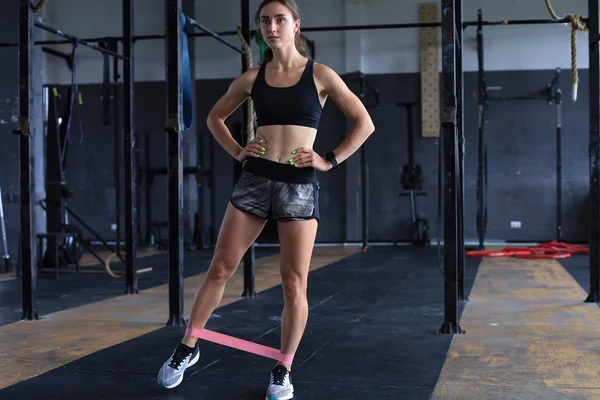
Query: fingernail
{"x": 260, "y": 140}
{"x": 263, "y": 149}
{"x": 294, "y": 152}
{"x": 258, "y": 155}
{"x": 262, "y": 152}
{"x": 291, "y": 160}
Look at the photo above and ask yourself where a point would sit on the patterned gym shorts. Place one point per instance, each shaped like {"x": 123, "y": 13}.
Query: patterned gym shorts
{"x": 272, "y": 190}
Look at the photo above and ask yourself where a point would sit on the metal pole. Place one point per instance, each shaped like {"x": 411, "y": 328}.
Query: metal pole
{"x": 249, "y": 257}
{"x": 174, "y": 131}
{"x": 26, "y": 161}
{"x": 594, "y": 151}
{"x": 82, "y": 42}
{"x": 114, "y": 46}
{"x": 449, "y": 132}
{"x": 131, "y": 279}
{"x": 482, "y": 100}
{"x": 214, "y": 35}
{"x": 364, "y": 175}
{"x": 5, "y": 255}
{"x": 364, "y": 170}
{"x": 558, "y": 106}
{"x": 461, "y": 151}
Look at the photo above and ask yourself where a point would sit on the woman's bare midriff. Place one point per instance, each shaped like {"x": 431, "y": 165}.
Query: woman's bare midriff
{"x": 281, "y": 140}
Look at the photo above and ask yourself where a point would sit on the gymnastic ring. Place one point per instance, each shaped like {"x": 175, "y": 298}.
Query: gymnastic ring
{"x": 107, "y": 266}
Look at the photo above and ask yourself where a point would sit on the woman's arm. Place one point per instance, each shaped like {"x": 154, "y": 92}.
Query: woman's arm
{"x": 238, "y": 92}
{"x": 351, "y": 106}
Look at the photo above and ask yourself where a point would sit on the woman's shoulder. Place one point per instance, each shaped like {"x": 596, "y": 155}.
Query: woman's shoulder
{"x": 246, "y": 79}
{"x": 323, "y": 72}
{"x": 249, "y": 75}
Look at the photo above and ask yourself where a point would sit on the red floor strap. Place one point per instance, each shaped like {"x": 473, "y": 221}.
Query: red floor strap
{"x": 552, "y": 249}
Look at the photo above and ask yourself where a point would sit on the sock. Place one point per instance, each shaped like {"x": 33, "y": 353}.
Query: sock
{"x": 187, "y": 348}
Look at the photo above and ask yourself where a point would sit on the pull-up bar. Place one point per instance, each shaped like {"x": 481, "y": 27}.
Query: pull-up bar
{"x": 214, "y": 35}
{"x": 73, "y": 38}
{"x": 219, "y": 35}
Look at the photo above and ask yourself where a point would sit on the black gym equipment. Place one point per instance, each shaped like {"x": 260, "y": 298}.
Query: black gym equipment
{"x": 551, "y": 94}
{"x": 364, "y": 166}
{"x": 412, "y": 181}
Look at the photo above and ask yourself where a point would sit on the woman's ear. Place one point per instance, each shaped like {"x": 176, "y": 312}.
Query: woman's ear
{"x": 297, "y": 26}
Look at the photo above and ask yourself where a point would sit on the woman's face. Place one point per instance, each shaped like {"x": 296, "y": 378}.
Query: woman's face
{"x": 277, "y": 25}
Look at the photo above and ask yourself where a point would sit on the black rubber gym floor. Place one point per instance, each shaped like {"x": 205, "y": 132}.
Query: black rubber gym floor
{"x": 73, "y": 290}
{"x": 579, "y": 267}
{"x": 371, "y": 334}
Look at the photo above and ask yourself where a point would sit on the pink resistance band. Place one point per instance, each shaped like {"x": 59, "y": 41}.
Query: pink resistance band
{"x": 240, "y": 344}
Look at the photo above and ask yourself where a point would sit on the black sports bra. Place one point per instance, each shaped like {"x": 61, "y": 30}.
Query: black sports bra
{"x": 292, "y": 105}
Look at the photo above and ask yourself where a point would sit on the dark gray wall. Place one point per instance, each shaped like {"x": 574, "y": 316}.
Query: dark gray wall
{"x": 521, "y": 152}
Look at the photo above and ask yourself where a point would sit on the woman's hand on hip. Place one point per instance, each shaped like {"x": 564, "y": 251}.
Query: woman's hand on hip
{"x": 255, "y": 148}
{"x": 304, "y": 157}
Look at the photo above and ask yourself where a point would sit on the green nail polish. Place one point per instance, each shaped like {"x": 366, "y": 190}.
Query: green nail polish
{"x": 291, "y": 160}
{"x": 258, "y": 155}
{"x": 262, "y": 152}
{"x": 263, "y": 149}
{"x": 294, "y": 152}
{"x": 260, "y": 140}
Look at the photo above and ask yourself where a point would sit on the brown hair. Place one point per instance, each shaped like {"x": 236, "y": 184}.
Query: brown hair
{"x": 298, "y": 40}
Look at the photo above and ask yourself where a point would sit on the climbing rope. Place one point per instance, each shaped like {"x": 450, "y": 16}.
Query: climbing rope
{"x": 38, "y": 7}
{"x": 577, "y": 24}
{"x": 249, "y": 63}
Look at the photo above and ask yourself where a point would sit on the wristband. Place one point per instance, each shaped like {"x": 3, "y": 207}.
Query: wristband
{"x": 331, "y": 158}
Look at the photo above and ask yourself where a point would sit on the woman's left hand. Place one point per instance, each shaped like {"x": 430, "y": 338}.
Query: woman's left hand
{"x": 304, "y": 157}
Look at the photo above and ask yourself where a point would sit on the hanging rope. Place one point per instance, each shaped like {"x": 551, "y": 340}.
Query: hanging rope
{"x": 577, "y": 24}
{"x": 38, "y": 7}
{"x": 250, "y": 104}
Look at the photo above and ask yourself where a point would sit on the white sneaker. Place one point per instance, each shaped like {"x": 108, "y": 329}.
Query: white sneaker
{"x": 280, "y": 387}
{"x": 171, "y": 373}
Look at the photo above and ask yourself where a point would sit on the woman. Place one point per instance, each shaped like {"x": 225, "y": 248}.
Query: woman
{"x": 278, "y": 181}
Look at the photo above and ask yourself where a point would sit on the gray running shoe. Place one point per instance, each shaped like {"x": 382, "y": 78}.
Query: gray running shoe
{"x": 280, "y": 387}
{"x": 171, "y": 373}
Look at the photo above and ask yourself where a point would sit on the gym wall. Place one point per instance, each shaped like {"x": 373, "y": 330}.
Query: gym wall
{"x": 521, "y": 139}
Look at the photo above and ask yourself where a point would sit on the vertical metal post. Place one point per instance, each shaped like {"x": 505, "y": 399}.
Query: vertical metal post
{"x": 460, "y": 193}
{"x": 26, "y": 160}
{"x": 249, "y": 257}
{"x": 4, "y": 255}
{"x": 174, "y": 130}
{"x": 364, "y": 176}
{"x": 594, "y": 151}
{"x": 450, "y": 173}
{"x": 113, "y": 45}
{"x": 55, "y": 176}
{"x": 131, "y": 279}
{"x": 558, "y": 106}
{"x": 481, "y": 154}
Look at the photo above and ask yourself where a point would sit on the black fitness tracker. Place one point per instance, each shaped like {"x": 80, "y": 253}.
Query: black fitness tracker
{"x": 331, "y": 158}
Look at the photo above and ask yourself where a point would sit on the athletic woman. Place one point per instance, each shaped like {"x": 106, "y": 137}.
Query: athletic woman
{"x": 279, "y": 180}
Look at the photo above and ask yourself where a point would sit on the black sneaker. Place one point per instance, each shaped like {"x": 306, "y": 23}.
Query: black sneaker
{"x": 280, "y": 387}
{"x": 171, "y": 373}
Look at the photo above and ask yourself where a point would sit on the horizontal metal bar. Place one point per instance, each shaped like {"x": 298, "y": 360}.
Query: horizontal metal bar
{"x": 219, "y": 35}
{"x": 521, "y": 22}
{"x": 519, "y": 98}
{"x": 214, "y": 35}
{"x": 77, "y": 40}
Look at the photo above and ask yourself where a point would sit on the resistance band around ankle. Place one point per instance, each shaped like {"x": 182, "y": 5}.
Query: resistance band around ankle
{"x": 240, "y": 344}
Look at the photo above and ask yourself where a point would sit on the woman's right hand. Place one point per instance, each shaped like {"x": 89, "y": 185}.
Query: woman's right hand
{"x": 255, "y": 148}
